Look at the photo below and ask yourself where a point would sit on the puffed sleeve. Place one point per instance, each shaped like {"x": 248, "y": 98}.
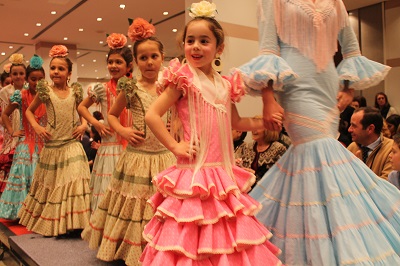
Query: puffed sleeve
{"x": 237, "y": 88}
{"x": 97, "y": 93}
{"x": 42, "y": 87}
{"x": 78, "y": 92}
{"x": 129, "y": 87}
{"x": 176, "y": 75}
{"x": 361, "y": 72}
{"x": 16, "y": 97}
{"x": 268, "y": 65}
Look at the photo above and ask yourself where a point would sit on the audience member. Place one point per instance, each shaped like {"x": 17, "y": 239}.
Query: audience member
{"x": 238, "y": 138}
{"x": 344, "y": 124}
{"x": 359, "y": 101}
{"x": 393, "y": 123}
{"x": 382, "y": 103}
{"x": 368, "y": 143}
{"x": 394, "y": 176}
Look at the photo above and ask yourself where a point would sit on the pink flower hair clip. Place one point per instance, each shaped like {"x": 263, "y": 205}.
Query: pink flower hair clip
{"x": 7, "y": 68}
{"x": 140, "y": 29}
{"x": 116, "y": 41}
{"x": 58, "y": 51}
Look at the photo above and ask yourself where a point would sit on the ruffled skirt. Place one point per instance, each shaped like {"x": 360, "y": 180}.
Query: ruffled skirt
{"x": 117, "y": 224}
{"x": 204, "y": 219}
{"x": 59, "y": 198}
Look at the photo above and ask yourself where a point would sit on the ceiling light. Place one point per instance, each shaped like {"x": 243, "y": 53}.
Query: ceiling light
{"x": 165, "y": 13}
{"x": 83, "y": 65}
{"x": 122, "y": 6}
{"x": 10, "y": 46}
{"x": 65, "y": 38}
{"x": 94, "y": 60}
{"x": 174, "y": 30}
{"x": 27, "y": 61}
{"x": 101, "y": 42}
{"x": 130, "y": 45}
{"x": 78, "y": 52}
{"x": 26, "y": 34}
{"x": 53, "y": 12}
{"x": 95, "y": 70}
{"x": 3, "y": 53}
{"x": 38, "y": 24}
{"x": 99, "y": 19}
{"x": 81, "y": 29}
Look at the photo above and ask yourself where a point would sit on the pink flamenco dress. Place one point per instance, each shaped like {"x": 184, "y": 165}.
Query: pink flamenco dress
{"x": 202, "y": 214}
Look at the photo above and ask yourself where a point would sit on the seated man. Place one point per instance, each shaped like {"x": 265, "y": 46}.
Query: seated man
{"x": 368, "y": 143}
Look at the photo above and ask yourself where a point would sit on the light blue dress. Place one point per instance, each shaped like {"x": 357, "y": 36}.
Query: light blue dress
{"x": 21, "y": 172}
{"x": 322, "y": 204}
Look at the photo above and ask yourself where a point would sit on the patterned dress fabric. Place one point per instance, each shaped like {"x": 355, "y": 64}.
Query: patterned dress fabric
{"x": 59, "y": 197}
{"x": 24, "y": 162}
{"x": 117, "y": 224}
{"x": 9, "y": 143}
{"x": 110, "y": 148}
{"x": 202, "y": 215}
{"x": 323, "y": 205}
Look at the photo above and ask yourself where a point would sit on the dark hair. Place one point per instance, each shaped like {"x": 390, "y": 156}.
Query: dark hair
{"x": 376, "y": 99}
{"x": 14, "y": 65}
{"x": 372, "y": 116}
{"x": 125, "y": 52}
{"x": 30, "y": 69}
{"x": 394, "y": 120}
{"x": 152, "y": 38}
{"x": 3, "y": 77}
{"x": 362, "y": 102}
{"x": 66, "y": 59}
{"x": 96, "y": 135}
{"x": 98, "y": 115}
{"x": 214, "y": 27}
{"x": 396, "y": 139}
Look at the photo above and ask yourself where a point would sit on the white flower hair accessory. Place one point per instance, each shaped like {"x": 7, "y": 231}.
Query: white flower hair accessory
{"x": 203, "y": 9}
{"x": 16, "y": 59}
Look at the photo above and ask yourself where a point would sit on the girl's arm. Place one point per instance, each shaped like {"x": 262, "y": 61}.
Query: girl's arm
{"x": 6, "y": 120}
{"x": 83, "y": 110}
{"x": 40, "y": 131}
{"x": 245, "y": 123}
{"x": 80, "y": 130}
{"x": 134, "y": 136}
{"x": 157, "y": 126}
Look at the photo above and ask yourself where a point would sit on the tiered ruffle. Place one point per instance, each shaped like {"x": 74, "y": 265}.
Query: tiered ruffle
{"x": 330, "y": 208}
{"x": 117, "y": 224}
{"x": 204, "y": 219}
{"x": 59, "y": 198}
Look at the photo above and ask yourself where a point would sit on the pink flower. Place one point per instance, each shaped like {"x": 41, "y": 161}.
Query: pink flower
{"x": 140, "y": 29}
{"x": 58, "y": 51}
{"x": 116, "y": 40}
{"x": 7, "y": 67}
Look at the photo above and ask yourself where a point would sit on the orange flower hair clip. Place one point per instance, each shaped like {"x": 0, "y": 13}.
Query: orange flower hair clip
{"x": 116, "y": 40}
{"x": 140, "y": 29}
{"x": 58, "y": 51}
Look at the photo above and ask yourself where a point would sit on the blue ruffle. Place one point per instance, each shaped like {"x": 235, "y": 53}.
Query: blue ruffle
{"x": 361, "y": 72}
{"x": 16, "y": 97}
{"x": 264, "y": 68}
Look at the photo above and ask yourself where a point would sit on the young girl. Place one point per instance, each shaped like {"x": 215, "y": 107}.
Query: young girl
{"x": 323, "y": 205}
{"x": 202, "y": 214}
{"x": 119, "y": 64}
{"x": 117, "y": 224}
{"x": 394, "y": 176}
{"x": 58, "y": 200}
{"x": 27, "y": 151}
{"x": 17, "y": 74}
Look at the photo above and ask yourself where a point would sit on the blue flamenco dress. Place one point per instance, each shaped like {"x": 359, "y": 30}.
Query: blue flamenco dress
{"x": 24, "y": 162}
{"x": 323, "y": 205}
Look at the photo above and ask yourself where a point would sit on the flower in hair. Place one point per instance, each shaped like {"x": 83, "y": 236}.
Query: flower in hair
{"x": 36, "y": 62}
{"x": 58, "y": 51}
{"x": 16, "y": 59}
{"x": 116, "y": 40}
{"x": 7, "y": 68}
{"x": 203, "y": 9}
{"x": 140, "y": 29}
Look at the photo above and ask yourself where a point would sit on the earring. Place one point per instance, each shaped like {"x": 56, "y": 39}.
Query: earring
{"x": 183, "y": 61}
{"x": 217, "y": 64}
{"x": 128, "y": 74}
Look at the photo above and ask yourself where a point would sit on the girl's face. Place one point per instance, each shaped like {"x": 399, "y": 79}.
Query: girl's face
{"x": 6, "y": 82}
{"x": 149, "y": 60}
{"x": 117, "y": 66}
{"x": 33, "y": 79}
{"x": 59, "y": 73}
{"x": 201, "y": 45}
{"x": 395, "y": 157}
{"x": 17, "y": 75}
{"x": 380, "y": 99}
{"x": 391, "y": 129}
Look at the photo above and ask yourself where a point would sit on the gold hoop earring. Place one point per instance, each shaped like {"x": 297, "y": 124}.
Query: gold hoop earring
{"x": 217, "y": 64}
{"x": 184, "y": 61}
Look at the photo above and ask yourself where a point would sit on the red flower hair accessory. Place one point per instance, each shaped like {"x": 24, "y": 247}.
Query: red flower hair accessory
{"x": 58, "y": 51}
{"x": 140, "y": 29}
{"x": 116, "y": 41}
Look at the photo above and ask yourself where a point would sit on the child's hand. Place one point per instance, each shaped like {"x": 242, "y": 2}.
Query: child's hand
{"x": 133, "y": 136}
{"x": 42, "y": 133}
{"x": 95, "y": 145}
{"x": 182, "y": 149}
{"x": 345, "y": 97}
{"x": 78, "y": 132}
{"x": 104, "y": 131}
{"x": 18, "y": 133}
{"x": 273, "y": 116}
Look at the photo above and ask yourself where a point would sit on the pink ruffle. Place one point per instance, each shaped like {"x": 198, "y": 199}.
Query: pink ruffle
{"x": 237, "y": 86}
{"x": 177, "y": 74}
{"x": 208, "y": 181}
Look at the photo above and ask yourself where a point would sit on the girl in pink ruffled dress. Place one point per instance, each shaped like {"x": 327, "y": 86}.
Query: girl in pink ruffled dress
{"x": 202, "y": 214}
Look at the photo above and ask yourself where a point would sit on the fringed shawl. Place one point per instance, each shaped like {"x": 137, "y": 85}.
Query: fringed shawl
{"x": 310, "y": 26}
